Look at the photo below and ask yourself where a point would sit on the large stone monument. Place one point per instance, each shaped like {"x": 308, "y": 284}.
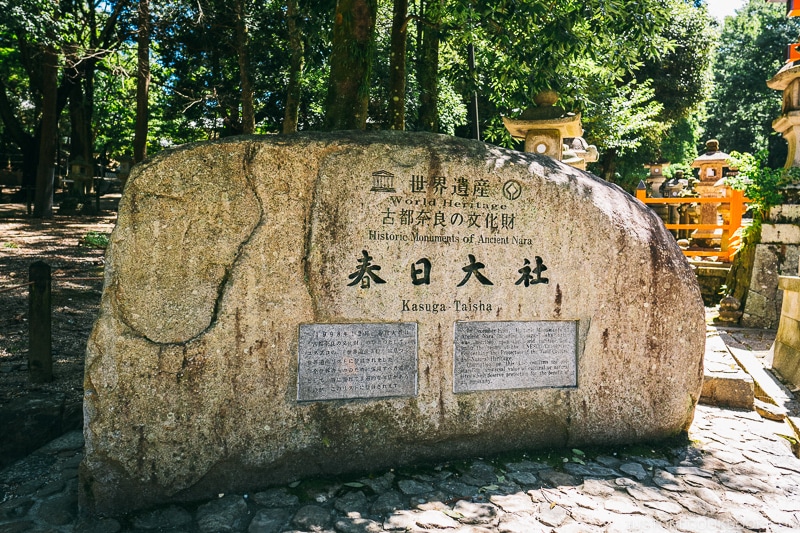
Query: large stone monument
{"x": 291, "y": 306}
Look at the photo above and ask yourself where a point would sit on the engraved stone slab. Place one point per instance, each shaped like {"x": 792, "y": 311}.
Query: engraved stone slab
{"x": 514, "y": 355}
{"x": 348, "y": 361}
{"x": 223, "y": 250}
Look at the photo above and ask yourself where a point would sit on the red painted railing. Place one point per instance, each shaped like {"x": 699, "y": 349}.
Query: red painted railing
{"x": 731, "y": 239}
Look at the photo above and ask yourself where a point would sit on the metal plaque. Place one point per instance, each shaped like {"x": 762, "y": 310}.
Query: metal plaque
{"x": 350, "y": 361}
{"x": 514, "y": 355}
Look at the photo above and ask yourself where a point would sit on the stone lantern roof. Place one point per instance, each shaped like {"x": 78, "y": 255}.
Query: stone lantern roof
{"x": 656, "y": 168}
{"x": 711, "y": 163}
{"x": 712, "y": 155}
{"x": 546, "y": 127}
{"x": 546, "y": 115}
{"x": 785, "y": 76}
{"x": 788, "y": 124}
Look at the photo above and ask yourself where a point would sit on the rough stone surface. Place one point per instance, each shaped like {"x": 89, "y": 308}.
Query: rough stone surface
{"x": 786, "y": 351}
{"x": 275, "y": 498}
{"x": 724, "y": 381}
{"x": 634, "y": 469}
{"x": 228, "y": 513}
{"x": 780, "y": 234}
{"x": 752, "y": 446}
{"x": 269, "y": 521}
{"x": 785, "y": 213}
{"x": 762, "y": 307}
{"x": 222, "y": 250}
{"x": 312, "y": 516}
{"x": 171, "y": 517}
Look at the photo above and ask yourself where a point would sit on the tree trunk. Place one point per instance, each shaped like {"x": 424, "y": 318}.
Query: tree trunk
{"x": 142, "y": 83}
{"x": 608, "y": 163}
{"x": 397, "y": 67}
{"x": 242, "y": 43}
{"x": 428, "y": 67}
{"x": 296, "y": 60}
{"x": 43, "y": 201}
{"x": 351, "y": 61}
{"x": 80, "y": 137}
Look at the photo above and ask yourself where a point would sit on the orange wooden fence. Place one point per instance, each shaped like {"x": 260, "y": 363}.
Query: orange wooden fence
{"x": 731, "y": 239}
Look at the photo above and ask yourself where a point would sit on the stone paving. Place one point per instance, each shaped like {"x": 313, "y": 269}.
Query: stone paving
{"x": 735, "y": 472}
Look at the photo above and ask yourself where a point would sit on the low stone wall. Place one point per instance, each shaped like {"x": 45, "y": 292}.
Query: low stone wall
{"x": 786, "y": 351}
{"x": 777, "y": 254}
{"x": 711, "y": 279}
{"x": 291, "y": 306}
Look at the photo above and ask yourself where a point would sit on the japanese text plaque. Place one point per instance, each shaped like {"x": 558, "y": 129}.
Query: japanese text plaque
{"x": 514, "y": 355}
{"x": 350, "y": 361}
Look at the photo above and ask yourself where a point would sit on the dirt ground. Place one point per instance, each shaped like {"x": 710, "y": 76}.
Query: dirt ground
{"x": 77, "y": 270}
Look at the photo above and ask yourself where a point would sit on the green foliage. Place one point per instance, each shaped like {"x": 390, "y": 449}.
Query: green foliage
{"x": 680, "y": 141}
{"x": 653, "y": 114}
{"x": 760, "y": 182}
{"x": 94, "y": 239}
{"x": 623, "y": 116}
{"x": 671, "y": 170}
{"x": 636, "y": 70}
{"x": 681, "y": 75}
{"x": 533, "y": 45}
{"x": 115, "y": 102}
{"x": 752, "y": 50}
{"x": 37, "y": 19}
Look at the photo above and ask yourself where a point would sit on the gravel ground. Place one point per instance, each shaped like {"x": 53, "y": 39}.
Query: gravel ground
{"x": 77, "y": 270}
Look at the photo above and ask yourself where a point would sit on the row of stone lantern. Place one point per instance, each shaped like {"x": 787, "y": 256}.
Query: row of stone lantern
{"x": 550, "y": 130}
{"x": 710, "y": 183}
{"x": 81, "y": 175}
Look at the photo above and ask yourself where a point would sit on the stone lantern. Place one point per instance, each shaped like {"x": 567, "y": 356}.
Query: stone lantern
{"x": 81, "y": 174}
{"x": 788, "y": 124}
{"x": 552, "y": 131}
{"x": 656, "y": 177}
{"x": 710, "y": 167}
{"x": 776, "y": 256}
{"x": 124, "y": 170}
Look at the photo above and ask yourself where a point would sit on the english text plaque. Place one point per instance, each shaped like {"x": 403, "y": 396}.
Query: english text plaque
{"x": 352, "y": 361}
{"x": 514, "y": 355}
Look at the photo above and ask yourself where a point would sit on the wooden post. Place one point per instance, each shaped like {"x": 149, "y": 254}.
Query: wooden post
{"x": 737, "y": 210}
{"x": 40, "y": 355}
{"x": 735, "y": 217}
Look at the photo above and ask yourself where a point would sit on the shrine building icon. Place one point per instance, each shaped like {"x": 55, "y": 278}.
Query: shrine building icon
{"x": 382, "y": 181}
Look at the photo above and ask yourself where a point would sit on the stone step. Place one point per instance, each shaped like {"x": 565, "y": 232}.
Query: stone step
{"x": 709, "y": 264}
{"x": 725, "y": 384}
{"x": 735, "y": 376}
{"x": 770, "y": 390}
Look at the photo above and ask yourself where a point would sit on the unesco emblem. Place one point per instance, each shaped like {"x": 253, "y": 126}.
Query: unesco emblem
{"x": 512, "y": 189}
